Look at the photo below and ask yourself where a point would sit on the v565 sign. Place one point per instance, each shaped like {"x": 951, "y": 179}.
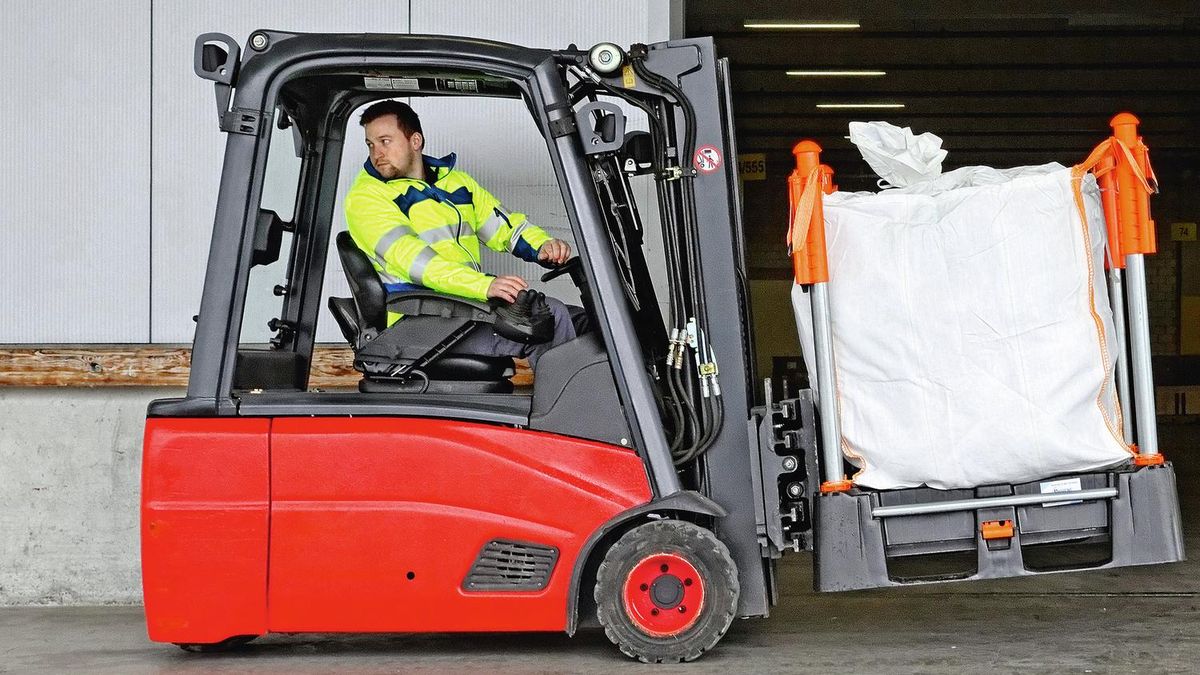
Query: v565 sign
{"x": 752, "y": 166}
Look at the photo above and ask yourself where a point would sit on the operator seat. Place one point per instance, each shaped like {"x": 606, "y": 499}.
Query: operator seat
{"x": 412, "y": 354}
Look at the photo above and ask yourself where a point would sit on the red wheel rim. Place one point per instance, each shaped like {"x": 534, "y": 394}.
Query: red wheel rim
{"x": 664, "y": 595}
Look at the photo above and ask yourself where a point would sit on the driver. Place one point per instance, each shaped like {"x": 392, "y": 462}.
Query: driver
{"x": 421, "y": 221}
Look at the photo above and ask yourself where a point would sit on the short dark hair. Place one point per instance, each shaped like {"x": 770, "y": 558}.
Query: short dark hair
{"x": 406, "y": 117}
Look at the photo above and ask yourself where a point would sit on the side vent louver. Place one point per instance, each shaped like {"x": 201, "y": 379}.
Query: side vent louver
{"x": 505, "y": 565}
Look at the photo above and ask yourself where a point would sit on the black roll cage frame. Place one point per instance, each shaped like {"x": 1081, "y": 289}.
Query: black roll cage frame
{"x": 250, "y": 88}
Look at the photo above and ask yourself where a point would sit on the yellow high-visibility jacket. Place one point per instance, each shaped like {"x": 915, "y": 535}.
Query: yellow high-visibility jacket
{"x": 421, "y": 234}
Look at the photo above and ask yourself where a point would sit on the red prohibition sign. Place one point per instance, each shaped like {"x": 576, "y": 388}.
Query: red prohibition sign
{"x": 707, "y": 159}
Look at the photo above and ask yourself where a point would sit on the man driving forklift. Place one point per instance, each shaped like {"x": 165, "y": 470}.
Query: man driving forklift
{"x": 420, "y": 221}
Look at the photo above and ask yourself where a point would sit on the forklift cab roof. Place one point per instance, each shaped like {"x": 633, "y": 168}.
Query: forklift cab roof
{"x": 314, "y": 72}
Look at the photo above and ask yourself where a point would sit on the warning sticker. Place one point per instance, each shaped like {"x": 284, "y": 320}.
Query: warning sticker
{"x": 707, "y": 159}
{"x": 627, "y": 79}
{"x": 405, "y": 83}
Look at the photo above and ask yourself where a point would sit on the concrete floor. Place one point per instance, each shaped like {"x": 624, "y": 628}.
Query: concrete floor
{"x": 1136, "y": 620}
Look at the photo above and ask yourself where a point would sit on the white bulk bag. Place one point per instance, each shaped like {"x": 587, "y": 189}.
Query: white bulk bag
{"x": 972, "y": 332}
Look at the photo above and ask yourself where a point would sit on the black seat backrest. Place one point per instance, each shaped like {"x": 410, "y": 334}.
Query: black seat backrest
{"x": 347, "y": 318}
{"x": 369, "y": 294}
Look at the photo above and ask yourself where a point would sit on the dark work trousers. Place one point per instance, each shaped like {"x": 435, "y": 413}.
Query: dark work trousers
{"x": 484, "y": 341}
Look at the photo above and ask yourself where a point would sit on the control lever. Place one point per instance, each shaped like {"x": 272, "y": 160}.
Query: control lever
{"x": 565, "y": 268}
{"x": 528, "y": 320}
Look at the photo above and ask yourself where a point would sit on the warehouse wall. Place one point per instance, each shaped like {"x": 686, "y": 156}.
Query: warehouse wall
{"x": 107, "y": 192}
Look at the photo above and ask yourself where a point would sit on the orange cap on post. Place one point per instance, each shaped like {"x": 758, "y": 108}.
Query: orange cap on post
{"x": 806, "y": 226}
{"x": 1133, "y": 198}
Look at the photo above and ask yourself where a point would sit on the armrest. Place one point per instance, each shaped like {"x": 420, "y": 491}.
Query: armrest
{"x": 431, "y": 303}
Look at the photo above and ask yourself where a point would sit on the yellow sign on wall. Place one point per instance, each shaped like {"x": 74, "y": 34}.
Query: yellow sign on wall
{"x": 752, "y": 166}
{"x": 1189, "y": 324}
{"x": 1183, "y": 231}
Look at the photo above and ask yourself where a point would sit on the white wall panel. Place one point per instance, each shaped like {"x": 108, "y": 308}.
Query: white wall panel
{"x": 188, "y": 147}
{"x": 74, "y": 171}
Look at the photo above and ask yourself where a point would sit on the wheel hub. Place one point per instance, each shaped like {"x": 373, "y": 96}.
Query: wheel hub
{"x": 664, "y": 595}
{"x": 667, "y": 591}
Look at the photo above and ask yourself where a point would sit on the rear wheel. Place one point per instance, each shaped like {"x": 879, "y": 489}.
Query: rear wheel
{"x": 666, "y": 592}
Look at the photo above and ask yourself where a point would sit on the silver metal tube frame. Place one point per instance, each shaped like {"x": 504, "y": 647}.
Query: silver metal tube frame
{"x": 991, "y": 502}
{"x": 831, "y": 430}
{"x": 1139, "y": 362}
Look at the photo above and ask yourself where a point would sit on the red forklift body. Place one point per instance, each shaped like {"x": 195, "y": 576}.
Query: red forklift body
{"x": 368, "y": 524}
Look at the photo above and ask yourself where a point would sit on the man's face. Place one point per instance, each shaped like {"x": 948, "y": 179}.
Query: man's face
{"x": 392, "y": 153}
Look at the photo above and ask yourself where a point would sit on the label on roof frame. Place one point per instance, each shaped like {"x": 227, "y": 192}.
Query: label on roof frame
{"x": 377, "y": 82}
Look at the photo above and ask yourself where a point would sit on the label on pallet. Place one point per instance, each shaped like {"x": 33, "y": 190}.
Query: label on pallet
{"x": 1062, "y": 485}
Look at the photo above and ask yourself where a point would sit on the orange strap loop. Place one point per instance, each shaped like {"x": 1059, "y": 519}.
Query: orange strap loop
{"x": 806, "y": 217}
{"x": 802, "y": 198}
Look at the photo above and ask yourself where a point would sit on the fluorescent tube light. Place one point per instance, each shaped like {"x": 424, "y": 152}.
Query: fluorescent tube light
{"x": 836, "y": 73}
{"x": 800, "y": 25}
{"x": 860, "y": 105}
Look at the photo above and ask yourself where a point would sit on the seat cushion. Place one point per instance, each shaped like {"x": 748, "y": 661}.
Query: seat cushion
{"x": 470, "y": 367}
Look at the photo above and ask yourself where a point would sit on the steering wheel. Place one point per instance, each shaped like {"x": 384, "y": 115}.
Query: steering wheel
{"x": 565, "y": 268}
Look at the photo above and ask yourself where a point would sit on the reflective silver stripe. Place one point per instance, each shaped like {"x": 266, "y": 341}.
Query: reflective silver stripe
{"x": 491, "y": 227}
{"x": 384, "y": 276}
{"x": 416, "y": 271}
{"x": 437, "y": 234}
{"x": 390, "y": 237}
{"x": 516, "y": 236}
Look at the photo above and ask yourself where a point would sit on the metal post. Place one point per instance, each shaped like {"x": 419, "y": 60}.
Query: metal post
{"x": 1116, "y": 294}
{"x": 1140, "y": 365}
{"x": 831, "y": 431}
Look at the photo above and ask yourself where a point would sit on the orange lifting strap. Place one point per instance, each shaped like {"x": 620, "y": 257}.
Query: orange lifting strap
{"x": 1122, "y": 167}
{"x": 806, "y": 219}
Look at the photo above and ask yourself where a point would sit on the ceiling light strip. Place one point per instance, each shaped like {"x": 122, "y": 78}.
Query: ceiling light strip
{"x": 836, "y": 73}
{"x": 801, "y": 25}
{"x": 860, "y": 105}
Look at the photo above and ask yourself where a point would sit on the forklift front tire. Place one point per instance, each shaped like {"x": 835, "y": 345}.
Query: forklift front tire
{"x": 666, "y": 592}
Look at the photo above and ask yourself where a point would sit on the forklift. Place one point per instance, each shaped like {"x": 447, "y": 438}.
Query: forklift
{"x": 643, "y": 484}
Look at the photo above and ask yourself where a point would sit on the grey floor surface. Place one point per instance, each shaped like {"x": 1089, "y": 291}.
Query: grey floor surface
{"x": 1139, "y": 620}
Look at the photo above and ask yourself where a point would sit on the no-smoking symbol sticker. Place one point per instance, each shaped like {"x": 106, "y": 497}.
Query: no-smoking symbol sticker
{"x": 707, "y": 159}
